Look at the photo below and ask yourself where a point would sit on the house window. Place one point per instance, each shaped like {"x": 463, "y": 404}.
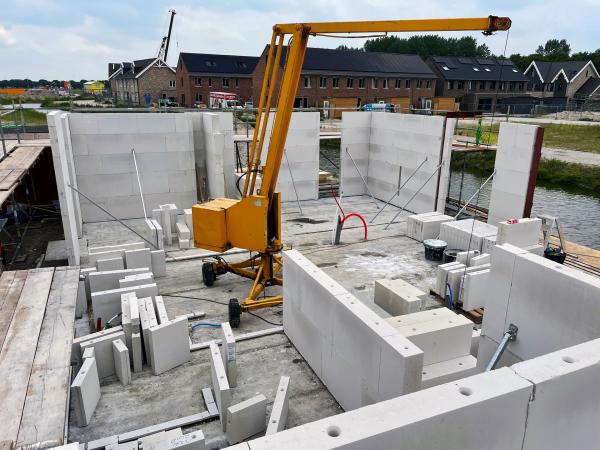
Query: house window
{"x": 385, "y": 83}
{"x": 350, "y": 83}
{"x": 487, "y": 69}
{"x": 501, "y": 85}
{"x": 450, "y": 84}
{"x": 306, "y": 82}
{"x": 586, "y": 73}
{"x": 172, "y": 83}
{"x": 374, "y": 82}
{"x": 198, "y": 97}
{"x": 419, "y": 82}
{"x": 475, "y": 69}
{"x": 407, "y": 84}
{"x": 445, "y": 68}
{"x": 428, "y": 84}
{"x": 210, "y": 63}
{"x": 398, "y": 84}
{"x": 492, "y": 85}
{"x": 225, "y": 82}
{"x": 511, "y": 86}
{"x": 182, "y": 81}
{"x": 198, "y": 81}
{"x": 241, "y": 65}
{"x": 322, "y": 82}
{"x": 361, "y": 83}
{"x": 336, "y": 82}
{"x": 482, "y": 85}
{"x": 209, "y": 82}
{"x": 460, "y": 85}
{"x": 521, "y": 86}
{"x": 237, "y": 82}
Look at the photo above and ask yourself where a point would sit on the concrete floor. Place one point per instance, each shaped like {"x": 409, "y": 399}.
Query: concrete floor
{"x": 356, "y": 264}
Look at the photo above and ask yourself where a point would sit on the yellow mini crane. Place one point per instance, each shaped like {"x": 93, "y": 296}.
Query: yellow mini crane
{"x": 254, "y": 222}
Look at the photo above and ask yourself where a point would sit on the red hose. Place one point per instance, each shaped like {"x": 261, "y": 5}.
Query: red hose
{"x": 361, "y": 218}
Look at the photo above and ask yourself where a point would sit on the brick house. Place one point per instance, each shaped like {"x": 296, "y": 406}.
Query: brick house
{"x": 199, "y": 74}
{"x": 351, "y": 78}
{"x": 566, "y": 80}
{"x": 478, "y": 83}
{"x": 141, "y": 82}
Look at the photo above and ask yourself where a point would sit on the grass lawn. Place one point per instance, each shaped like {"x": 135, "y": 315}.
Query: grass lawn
{"x": 585, "y": 138}
{"x": 31, "y": 117}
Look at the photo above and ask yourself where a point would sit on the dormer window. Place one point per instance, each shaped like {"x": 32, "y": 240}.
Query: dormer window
{"x": 211, "y": 63}
{"x": 487, "y": 69}
{"x": 475, "y": 69}
{"x": 445, "y": 68}
{"x": 515, "y": 71}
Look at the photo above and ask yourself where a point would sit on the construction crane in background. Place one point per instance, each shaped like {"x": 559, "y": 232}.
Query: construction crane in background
{"x": 163, "y": 51}
{"x": 254, "y": 221}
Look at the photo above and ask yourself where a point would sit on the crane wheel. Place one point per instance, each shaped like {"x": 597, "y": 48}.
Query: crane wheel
{"x": 208, "y": 274}
{"x": 235, "y": 311}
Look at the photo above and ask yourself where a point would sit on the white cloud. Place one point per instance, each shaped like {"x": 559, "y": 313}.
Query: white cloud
{"x": 6, "y": 37}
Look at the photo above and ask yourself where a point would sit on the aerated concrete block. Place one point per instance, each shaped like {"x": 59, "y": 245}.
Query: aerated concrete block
{"x": 81, "y": 303}
{"x": 161, "y": 311}
{"x": 246, "y": 419}
{"x": 146, "y": 442}
{"x": 85, "y": 392}
{"x": 474, "y": 289}
{"x": 398, "y": 297}
{"x": 104, "y": 265}
{"x": 420, "y": 317}
{"x": 158, "y": 237}
{"x": 219, "y": 383}
{"x": 447, "y": 371}
{"x": 455, "y": 277}
{"x": 426, "y": 226}
{"x": 484, "y": 258}
{"x": 103, "y": 352}
{"x": 169, "y": 344}
{"x": 183, "y": 232}
{"x": 107, "y": 280}
{"x": 184, "y": 244}
{"x": 136, "y": 351}
{"x": 117, "y": 247}
{"x": 107, "y": 304}
{"x": 159, "y": 264}
{"x": 76, "y": 351}
{"x": 466, "y": 257}
{"x": 440, "y": 339}
{"x": 121, "y": 358}
{"x": 475, "y": 342}
{"x": 228, "y": 353}
{"x": 442, "y": 276}
{"x": 126, "y": 316}
{"x": 136, "y": 259}
{"x": 136, "y": 280}
{"x": 279, "y": 412}
{"x": 88, "y": 353}
{"x": 190, "y": 441}
{"x": 188, "y": 221}
{"x": 524, "y": 233}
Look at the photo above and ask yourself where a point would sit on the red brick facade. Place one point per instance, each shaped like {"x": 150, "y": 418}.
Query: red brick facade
{"x": 193, "y": 89}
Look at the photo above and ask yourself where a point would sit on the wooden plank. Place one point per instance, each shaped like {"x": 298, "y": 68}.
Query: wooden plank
{"x": 45, "y": 410}
{"x": 16, "y": 357}
{"x": 13, "y": 178}
{"x": 10, "y": 301}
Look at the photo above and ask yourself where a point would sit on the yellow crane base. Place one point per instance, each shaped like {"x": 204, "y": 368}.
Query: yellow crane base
{"x": 262, "y": 268}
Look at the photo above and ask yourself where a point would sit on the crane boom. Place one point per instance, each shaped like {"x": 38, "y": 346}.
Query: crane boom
{"x": 254, "y": 221}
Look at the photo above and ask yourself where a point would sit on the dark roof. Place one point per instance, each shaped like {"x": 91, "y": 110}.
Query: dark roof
{"x": 320, "y": 60}
{"x": 589, "y": 87}
{"x": 222, "y": 64}
{"x": 476, "y": 69}
{"x": 130, "y": 69}
{"x": 549, "y": 69}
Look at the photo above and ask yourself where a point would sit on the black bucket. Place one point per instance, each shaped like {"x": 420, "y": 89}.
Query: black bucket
{"x": 434, "y": 249}
{"x": 450, "y": 255}
{"x": 555, "y": 254}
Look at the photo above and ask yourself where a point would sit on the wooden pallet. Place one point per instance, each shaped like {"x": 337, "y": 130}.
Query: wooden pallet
{"x": 14, "y": 167}
{"x": 476, "y": 315}
{"x": 37, "y": 313}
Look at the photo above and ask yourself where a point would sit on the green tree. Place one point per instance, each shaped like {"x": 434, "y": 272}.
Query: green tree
{"x": 429, "y": 45}
{"x": 555, "y": 49}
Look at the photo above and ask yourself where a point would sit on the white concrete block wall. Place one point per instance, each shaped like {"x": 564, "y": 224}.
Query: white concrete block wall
{"x": 220, "y": 154}
{"x": 516, "y": 146}
{"x": 302, "y": 150}
{"x": 357, "y": 355}
{"x": 104, "y": 168}
{"x": 356, "y": 137}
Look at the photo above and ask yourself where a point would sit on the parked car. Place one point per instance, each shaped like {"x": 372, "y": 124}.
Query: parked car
{"x": 168, "y": 103}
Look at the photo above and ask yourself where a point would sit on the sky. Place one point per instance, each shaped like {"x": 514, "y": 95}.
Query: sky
{"x": 75, "y": 39}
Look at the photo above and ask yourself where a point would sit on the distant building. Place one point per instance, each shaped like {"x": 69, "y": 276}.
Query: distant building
{"x": 199, "y": 74}
{"x": 478, "y": 83}
{"x": 142, "y": 82}
{"x": 349, "y": 79}
{"x": 565, "y": 81}
{"x": 93, "y": 87}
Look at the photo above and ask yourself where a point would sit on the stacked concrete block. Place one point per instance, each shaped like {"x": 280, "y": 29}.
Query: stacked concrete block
{"x": 246, "y": 419}
{"x": 159, "y": 264}
{"x": 136, "y": 280}
{"x": 455, "y": 277}
{"x": 468, "y": 417}
{"x": 513, "y": 167}
{"x": 466, "y": 234}
{"x": 524, "y": 233}
{"x": 103, "y": 265}
{"x": 112, "y": 251}
{"x": 161, "y": 310}
{"x": 474, "y": 289}
{"x": 449, "y": 370}
{"x": 77, "y": 352}
{"x": 466, "y": 257}
{"x": 187, "y": 216}
{"x": 184, "y": 235}
{"x": 426, "y": 225}
{"x": 104, "y": 281}
{"x": 169, "y": 345}
{"x": 121, "y": 361}
{"x": 107, "y": 304}
{"x": 358, "y": 356}
{"x": 104, "y": 164}
{"x": 228, "y": 353}
{"x": 191, "y": 441}
{"x": 138, "y": 259}
{"x": 85, "y": 392}
{"x": 103, "y": 352}
{"x": 397, "y": 297}
{"x": 219, "y": 383}
{"x": 157, "y": 233}
{"x": 279, "y": 412}
{"x": 165, "y": 221}
{"x": 480, "y": 260}
{"x": 442, "y": 276}
{"x": 302, "y": 154}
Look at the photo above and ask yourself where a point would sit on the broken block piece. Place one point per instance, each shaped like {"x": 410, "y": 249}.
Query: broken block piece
{"x": 398, "y": 297}
{"x": 103, "y": 352}
{"x": 85, "y": 391}
{"x": 137, "y": 259}
{"x": 279, "y": 413}
{"x": 183, "y": 232}
{"x": 246, "y": 419}
{"x": 169, "y": 345}
{"x": 228, "y": 353}
{"x": 219, "y": 383}
{"x": 121, "y": 357}
{"x": 159, "y": 264}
